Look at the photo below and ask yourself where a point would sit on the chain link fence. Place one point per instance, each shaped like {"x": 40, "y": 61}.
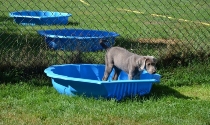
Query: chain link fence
{"x": 176, "y": 32}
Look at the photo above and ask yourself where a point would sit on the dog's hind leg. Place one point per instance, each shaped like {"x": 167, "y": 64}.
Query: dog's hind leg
{"x": 116, "y": 73}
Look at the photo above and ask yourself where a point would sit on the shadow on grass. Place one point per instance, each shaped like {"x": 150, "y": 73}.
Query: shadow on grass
{"x": 6, "y": 18}
{"x": 32, "y": 75}
{"x": 14, "y": 73}
{"x": 73, "y": 23}
{"x": 158, "y": 92}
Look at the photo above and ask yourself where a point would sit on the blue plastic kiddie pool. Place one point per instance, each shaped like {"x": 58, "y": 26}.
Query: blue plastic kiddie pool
{"x": 85, "y": 79}
{"x": 85, "y": 40}
{"x": 37, "y": 17}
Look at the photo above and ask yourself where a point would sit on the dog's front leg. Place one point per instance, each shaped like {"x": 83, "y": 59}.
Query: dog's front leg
{"x": 130, "y": 75}
{"x": 108, "y": 69}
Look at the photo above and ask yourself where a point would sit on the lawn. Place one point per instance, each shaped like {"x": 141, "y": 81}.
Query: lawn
{"x": 145, "y": 27}
{"x": 24, "y": 103}
{"x": 182, "y": 97}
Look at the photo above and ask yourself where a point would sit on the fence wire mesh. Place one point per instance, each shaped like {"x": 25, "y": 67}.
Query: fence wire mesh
{"x": 176, "y": 32}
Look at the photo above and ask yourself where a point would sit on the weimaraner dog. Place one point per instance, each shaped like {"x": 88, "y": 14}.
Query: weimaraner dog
{"x": 121, "y": 59}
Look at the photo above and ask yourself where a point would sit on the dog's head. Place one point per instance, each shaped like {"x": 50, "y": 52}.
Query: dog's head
{"x": 148, "y": 63}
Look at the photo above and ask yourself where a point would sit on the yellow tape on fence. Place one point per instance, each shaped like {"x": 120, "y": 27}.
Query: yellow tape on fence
{"x": 156, "y": 15}
{"x": 163, "y": 16}
{"x": 84, "y": 2}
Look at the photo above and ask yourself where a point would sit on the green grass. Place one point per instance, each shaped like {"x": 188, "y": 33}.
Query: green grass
{"x": 25, "y": 103}
{"x": 183, "y": 96}
{"x": 107, "y": 15}
{"x": 194, "y": 74}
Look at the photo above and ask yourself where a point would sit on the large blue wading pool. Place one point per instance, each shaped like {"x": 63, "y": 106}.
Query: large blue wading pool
{"x": 85, "y": 79}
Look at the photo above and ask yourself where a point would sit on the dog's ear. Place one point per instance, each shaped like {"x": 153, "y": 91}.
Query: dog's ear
{"x": 142, "y": 62}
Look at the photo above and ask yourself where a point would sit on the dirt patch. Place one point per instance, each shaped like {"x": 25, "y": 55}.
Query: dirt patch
{"x": 158, "y": 41}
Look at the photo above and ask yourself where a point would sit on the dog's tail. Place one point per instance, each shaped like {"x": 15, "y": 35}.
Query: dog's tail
{"x": 103, "y": 45}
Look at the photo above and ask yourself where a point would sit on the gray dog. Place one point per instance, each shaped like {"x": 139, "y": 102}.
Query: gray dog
{"x": 121, "y": 59}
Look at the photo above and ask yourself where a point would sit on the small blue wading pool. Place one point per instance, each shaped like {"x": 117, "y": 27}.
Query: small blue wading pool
{"x": 85, "y": 79}
{"x": 37, "y": 17}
